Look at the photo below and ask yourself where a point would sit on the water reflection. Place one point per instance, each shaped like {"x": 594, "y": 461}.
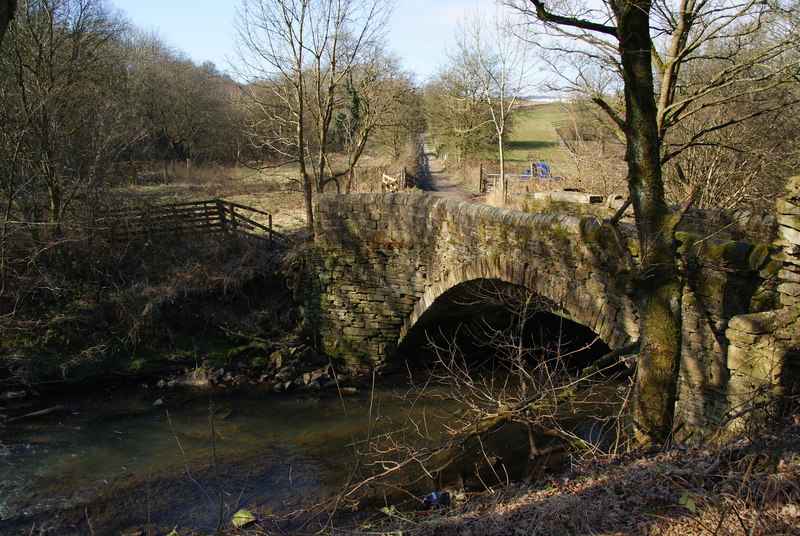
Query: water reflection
{"x": 125, "y": 462}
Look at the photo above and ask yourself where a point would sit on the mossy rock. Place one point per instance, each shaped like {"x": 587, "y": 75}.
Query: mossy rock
{"x": 252, "y": 350}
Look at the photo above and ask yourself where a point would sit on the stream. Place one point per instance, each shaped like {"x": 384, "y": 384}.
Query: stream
{"x": 128, "y": 460}
{"x": 141, "y": 460}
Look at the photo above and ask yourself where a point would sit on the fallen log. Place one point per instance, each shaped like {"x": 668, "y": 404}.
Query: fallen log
{"x": 41, "y": 413}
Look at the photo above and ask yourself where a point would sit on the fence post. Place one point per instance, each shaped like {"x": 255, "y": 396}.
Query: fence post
{"x": 223, "y": 224}
{"x": 481, "y": 183}
{"x": 405, "y": 179}
{"x": 232, "y": 217}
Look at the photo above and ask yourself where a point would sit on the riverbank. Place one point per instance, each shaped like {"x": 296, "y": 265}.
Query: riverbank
{"x": 178, "y": 442}
{"x": 149, "y": 309}
{"x": 142, "y": 459}
{"x": 744, "y": 486}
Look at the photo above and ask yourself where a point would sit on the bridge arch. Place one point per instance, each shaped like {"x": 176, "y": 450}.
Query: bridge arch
{"x": 475, "y": 315}
{"x": 565, "y": 302}
{"x": 383, "y": 260}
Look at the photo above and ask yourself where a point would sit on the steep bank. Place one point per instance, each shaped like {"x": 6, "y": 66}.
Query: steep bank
{"x": 145, "y": 308}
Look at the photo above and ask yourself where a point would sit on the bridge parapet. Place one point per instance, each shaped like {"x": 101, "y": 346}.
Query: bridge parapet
{"x": 764, "y": 351}
{"x": 383, "y": 260}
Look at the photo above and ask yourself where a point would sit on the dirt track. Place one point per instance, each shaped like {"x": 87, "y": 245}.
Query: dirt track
{"x": 437, "y": 182}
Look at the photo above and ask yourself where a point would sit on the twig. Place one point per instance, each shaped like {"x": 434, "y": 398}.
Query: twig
{"x": 613, "y": 224}
{"x": 186, "y": 461}
{"x": 88, "y": 521}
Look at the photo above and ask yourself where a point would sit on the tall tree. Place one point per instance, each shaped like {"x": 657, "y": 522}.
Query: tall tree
{"x": 63, "y": 76}
{"x": 298, "y": 55}
{"x": 656, "y": 280}
{"x": 489, "y": 52}
{"x": 652, "y": 45}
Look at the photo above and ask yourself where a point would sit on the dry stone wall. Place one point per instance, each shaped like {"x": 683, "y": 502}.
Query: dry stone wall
{"x": 383, "y": 260}
{"x": 764, "y": 351}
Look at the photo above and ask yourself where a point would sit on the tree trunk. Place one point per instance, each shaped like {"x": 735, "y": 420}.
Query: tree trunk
{"x": 305, "y": 177}
{"x": 54, "y": 195}
{"x": 657, "y": 282}
{"x": 501, "y": 150}
{"x": 7, "y": 9}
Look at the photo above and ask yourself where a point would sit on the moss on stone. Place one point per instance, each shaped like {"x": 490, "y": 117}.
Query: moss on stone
{"x": 761, "y": 255}
{"x": 770, "y": 270}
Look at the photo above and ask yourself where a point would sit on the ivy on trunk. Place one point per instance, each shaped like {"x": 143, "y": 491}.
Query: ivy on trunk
{"x": 656, "y": 278}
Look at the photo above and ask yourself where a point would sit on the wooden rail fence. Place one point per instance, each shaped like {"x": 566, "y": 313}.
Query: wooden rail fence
{"x": 210, "y": 216}
{"x": 392, "y": 182}
{"x": 538, "y": 171}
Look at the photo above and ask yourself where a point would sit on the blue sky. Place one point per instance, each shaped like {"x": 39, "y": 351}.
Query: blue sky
{"x": 419, "y": 30}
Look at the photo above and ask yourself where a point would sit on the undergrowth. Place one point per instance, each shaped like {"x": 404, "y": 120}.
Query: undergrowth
{"x": 740, "y": 487}
{"x": 88, "y": 306}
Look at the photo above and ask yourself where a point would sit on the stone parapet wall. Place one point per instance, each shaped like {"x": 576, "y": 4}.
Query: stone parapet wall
{"x": 764, "y": 351}
{"x": 730, "y": 225}
{"x": 389, "y": 256}
{"x": 383, "y": 260}
{"x": 726, "y": 225}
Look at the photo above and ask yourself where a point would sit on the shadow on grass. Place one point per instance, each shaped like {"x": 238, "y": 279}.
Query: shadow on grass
{"x": 529, "y": 145}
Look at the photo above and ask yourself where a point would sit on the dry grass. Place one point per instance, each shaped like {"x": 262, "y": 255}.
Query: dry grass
{"x": 276, "y": 190}
{"x": 748, "y": 488}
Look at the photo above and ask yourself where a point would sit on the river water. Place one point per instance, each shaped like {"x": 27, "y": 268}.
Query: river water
{"x": 128, "y": 459}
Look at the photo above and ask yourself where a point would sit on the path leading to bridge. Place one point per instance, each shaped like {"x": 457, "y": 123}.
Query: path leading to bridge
{"x": 436, "y": 181}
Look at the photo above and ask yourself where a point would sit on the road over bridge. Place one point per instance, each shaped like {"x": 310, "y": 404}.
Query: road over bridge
{"x": 385, "y": 261}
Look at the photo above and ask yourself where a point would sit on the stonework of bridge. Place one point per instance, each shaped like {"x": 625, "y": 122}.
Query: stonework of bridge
{"x": 384, "y": 260}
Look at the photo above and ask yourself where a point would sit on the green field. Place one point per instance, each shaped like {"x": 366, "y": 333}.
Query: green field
{"x": 533, "y": 138}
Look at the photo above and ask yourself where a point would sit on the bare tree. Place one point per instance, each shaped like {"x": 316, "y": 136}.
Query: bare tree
{"x": 63, "y": 78}
{"x": 299, "y": 54}
{"x": 718, "y": 65}
{"x": 619, "y": 31}
{"x": 635, "y": 40}
{"x": 404, "y": 117}
{"x": 456, "y": 115}
{"x": 497, "y": 60}
{"x": 375, "y": 96}
{"x": 185, "y": 107}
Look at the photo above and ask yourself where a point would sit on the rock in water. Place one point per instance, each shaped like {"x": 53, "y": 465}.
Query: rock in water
{"x": 195, "y": 378}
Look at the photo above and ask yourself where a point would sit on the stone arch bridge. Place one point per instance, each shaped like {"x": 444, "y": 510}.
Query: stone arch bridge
{"x": 384, "y": 260}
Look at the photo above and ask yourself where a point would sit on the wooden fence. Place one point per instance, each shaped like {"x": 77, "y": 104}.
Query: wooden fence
{"x": 392, "y": 182}
{"x": 538, "y": 171}
{"x": 489, "y": 181}
{"x": 212, "y": 216}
